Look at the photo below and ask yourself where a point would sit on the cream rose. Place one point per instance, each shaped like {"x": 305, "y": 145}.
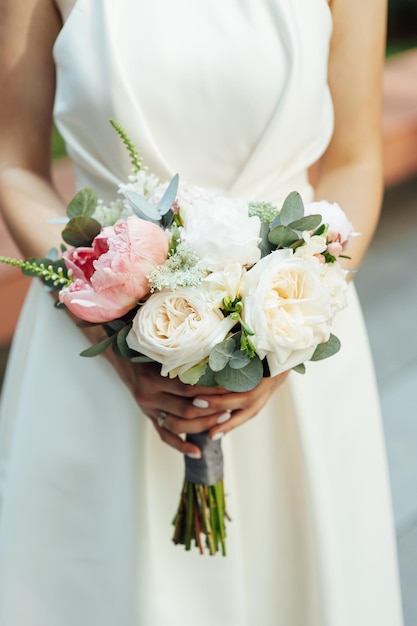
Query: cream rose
{"x": 177, "y": 329}
{"x": 287, "y": 305}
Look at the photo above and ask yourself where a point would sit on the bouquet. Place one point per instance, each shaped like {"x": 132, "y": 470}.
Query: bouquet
{"x": 217, "y": 290}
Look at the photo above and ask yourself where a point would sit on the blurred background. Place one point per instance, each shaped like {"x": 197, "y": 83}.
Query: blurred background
{"x": 387, "y": 284}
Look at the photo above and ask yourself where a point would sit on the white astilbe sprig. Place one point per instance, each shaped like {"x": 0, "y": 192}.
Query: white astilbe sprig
{"x": 181, "y": 269}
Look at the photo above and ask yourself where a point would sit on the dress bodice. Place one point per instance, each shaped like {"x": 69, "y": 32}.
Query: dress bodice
{"x": 232, "y": 96}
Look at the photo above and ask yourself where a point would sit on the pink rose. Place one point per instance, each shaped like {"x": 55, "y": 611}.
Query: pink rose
{"x": 111, "y": 276}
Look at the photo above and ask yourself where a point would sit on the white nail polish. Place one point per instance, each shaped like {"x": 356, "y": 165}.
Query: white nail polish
{"x": 224, "y": 417}
{"x": 217, "y": 436}
{"x": 193, "y": 455}
{"x": 200, "y": 404}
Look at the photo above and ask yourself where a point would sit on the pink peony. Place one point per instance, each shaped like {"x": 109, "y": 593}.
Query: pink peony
{"x": 111, "y": 276}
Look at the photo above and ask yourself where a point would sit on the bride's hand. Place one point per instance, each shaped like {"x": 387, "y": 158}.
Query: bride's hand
{"x": 176, "y": 408}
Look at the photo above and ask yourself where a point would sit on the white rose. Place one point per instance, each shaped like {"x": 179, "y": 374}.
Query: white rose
{"x": 224, "y": 284}
{"x": 287, "y": 306}
{"x": 220, "y": 231}
{"x": 177, "y": 329}
{"x": 334, "y": 216}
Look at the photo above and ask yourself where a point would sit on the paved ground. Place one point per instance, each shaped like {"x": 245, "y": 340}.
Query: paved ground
{"x": 387, "y": 285}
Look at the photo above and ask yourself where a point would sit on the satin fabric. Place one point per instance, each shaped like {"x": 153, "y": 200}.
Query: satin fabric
{"x": 234, "y": 97}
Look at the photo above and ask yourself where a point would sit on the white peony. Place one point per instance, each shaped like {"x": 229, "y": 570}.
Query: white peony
{"x": 287, "y": 305}
{"x": 177, "y": 329}
{"x": 220, "y": 231}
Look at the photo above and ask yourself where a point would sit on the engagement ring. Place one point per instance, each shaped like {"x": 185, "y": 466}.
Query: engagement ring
{"x": 161, "y": 419}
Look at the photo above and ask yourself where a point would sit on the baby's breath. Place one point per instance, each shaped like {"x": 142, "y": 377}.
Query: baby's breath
{"x": 181, "y": 269}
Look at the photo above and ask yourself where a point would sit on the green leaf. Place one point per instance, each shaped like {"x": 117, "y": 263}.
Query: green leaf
{"x": 80, "y": 231}
{"x": 243, "y": 379}
{"x": 238, "y": 360}
{"x": 122, "y": 347}
{"x": 221, "y": 354}
{"x": 193, "y": 375}
{"x": 265, "y": 245}
{"x": 309, "y": 222}
{"x": 141, "y": 358}
{"x": 292, "y": 209}
{"x": 282, "y": 236}
{"x": 98, "y": 348}
{"x": 326, "y": 349}
{"x": 207, "y": 379}
{"x": 169, "y": 196}
{"x": 142, "y": 208}
{"x": 84, "y": 203}
{"x": 300, "y": 368}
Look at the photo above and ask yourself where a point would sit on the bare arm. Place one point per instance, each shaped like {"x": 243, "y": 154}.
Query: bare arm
{"x": 351, "y": 170}
{"x": 27, "y": 78}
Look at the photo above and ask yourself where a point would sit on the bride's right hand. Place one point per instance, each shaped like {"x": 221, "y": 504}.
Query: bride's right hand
{"x": 173, "y": 407}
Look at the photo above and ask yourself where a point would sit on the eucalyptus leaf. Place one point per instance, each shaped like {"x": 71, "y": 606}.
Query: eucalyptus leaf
{"x": 84, "y": 203}
{"x": 326, "y": 349}
{"x": 282, "y": 236}
{"x": 309, "y": 222}
{"x": 275, "y": 222}
{"x": 292, "y": 209}
{"x": 238, "y": 360}
{"x": 300, "y": 368}
{"x": 243, "y": 379}
{"x": 169, "y": 196}
{"x": 207, "y": 379}
{"x": 143, "y": 209}
{"x": 98, "y": 348}
{"x": 80, "y": 231}
{"x": 221, "y": 354}
{"x": 265, "y": 245}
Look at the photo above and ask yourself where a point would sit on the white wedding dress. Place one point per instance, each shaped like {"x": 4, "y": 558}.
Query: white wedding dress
{"x": 232, "y": 95}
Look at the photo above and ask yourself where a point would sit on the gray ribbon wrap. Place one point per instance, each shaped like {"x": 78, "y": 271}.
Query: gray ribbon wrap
{"x": 209, "y": 469}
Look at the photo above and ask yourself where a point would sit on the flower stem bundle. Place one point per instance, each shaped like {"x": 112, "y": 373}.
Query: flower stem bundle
{"x": 202, "y": 507}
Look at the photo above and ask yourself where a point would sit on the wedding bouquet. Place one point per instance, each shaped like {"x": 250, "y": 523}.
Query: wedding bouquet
{"x": 219, "y": 291}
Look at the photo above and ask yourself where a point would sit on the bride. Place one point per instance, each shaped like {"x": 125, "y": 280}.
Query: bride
{"x": 241, "y": 98}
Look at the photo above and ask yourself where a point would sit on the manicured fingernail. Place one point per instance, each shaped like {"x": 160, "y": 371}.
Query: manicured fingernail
{"x": 224, "y": 417}
{"x": 193, "y": 455}
{"x": 217, "y": 436}
{"x": 200, "y": 404}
